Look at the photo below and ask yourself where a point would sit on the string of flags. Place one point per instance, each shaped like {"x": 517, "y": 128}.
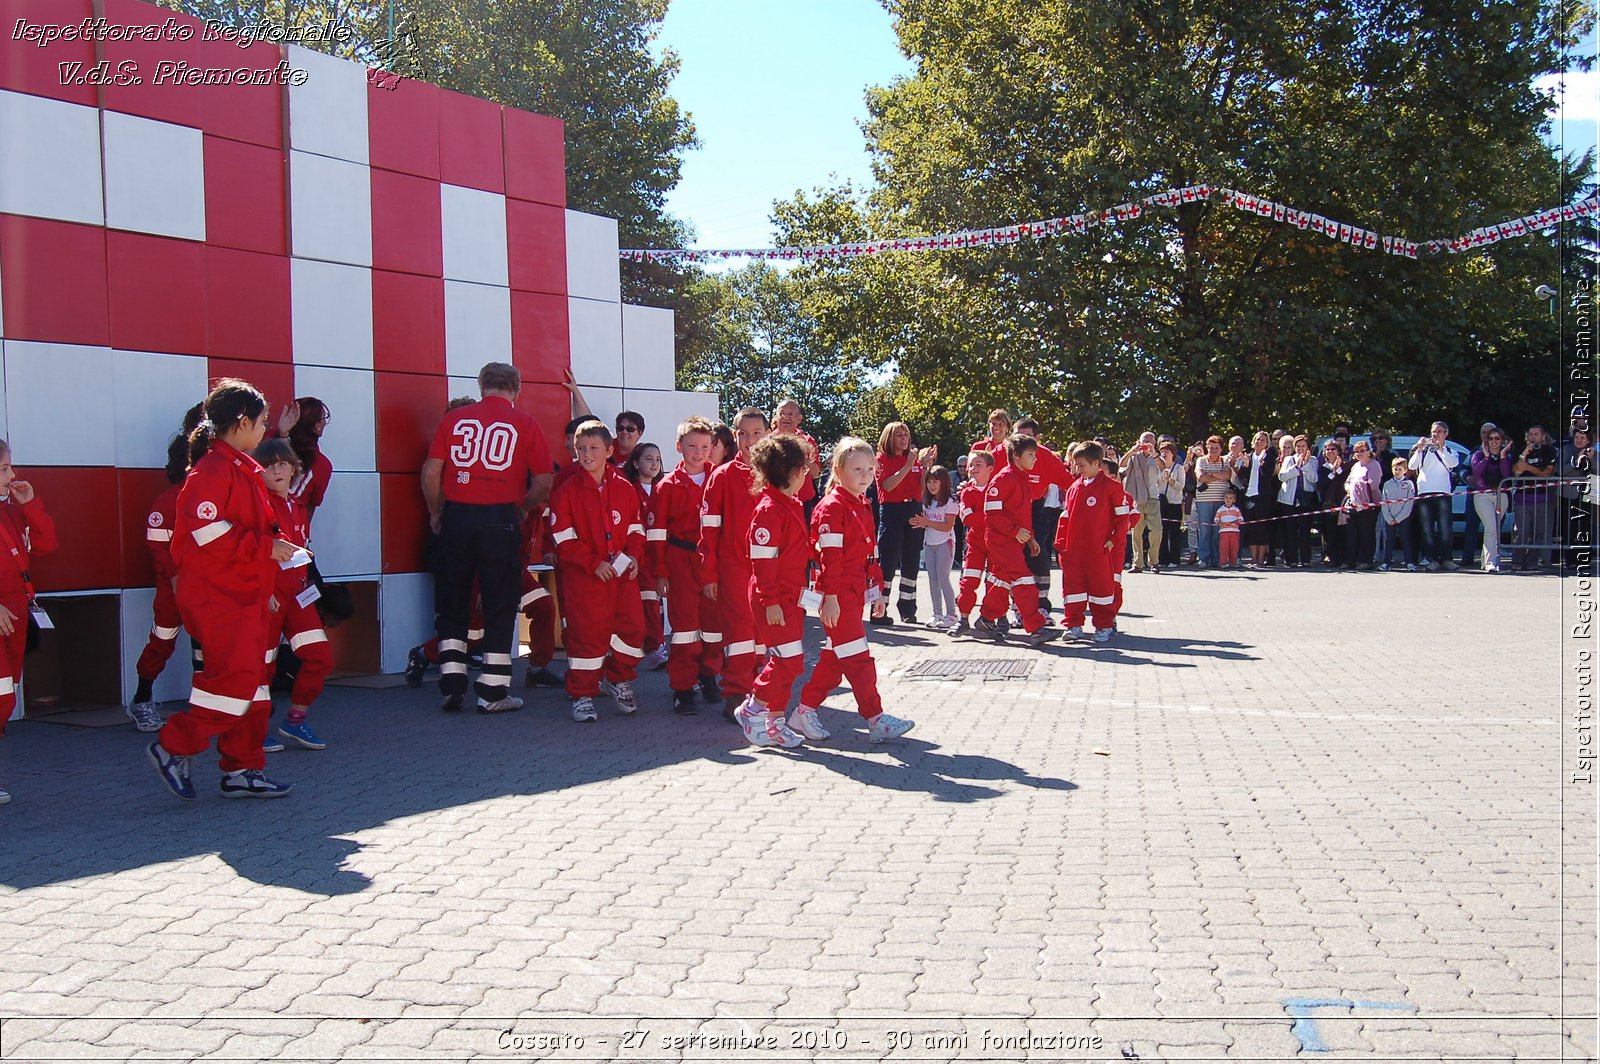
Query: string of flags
{"x": 960, "y": 239}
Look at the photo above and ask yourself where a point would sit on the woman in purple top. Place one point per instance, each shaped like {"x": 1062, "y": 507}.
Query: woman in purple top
{"x": 1491, "y": 464}
{"x": 1363, "y": 488}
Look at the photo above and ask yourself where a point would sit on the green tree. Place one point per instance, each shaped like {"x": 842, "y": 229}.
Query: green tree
{"x": 1407, "y": 120}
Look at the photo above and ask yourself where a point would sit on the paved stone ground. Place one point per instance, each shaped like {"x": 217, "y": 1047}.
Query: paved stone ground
{"x": 1293, "y": 814}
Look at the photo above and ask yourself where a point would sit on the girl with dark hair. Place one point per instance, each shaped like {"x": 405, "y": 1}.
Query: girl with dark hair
{"x": 166, "y": 623}
{"x": 228, "y": 551}
{"x": 643, "y": 470}
{"x": 302, "y": 424}
{"x": 25, "y": 529}
{"x": 723, "y": 445}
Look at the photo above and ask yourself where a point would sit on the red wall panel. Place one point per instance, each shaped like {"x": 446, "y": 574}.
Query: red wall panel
{"x": 136, "y": 490}
{"x": 246, "y": 202}
{"x": 536, "y": 246}
{"x": 409, "y": 407}
{"x": 247, "y": 305}
{"x": 407, "y": 322}
{"x": 551, "y": 406}
{"x": 407, "y": 224}
{"x": 405, "y": 522}
{"x": 83, "y": 502}
{"x": 536, "y": 158}
{"x": 26, "y": 67}
{"x": 252, "y": 113}
{"x": 403, "y": 128}
{"x": 470, "y": 145}
{"x": 157, "y": 287}
{"x": 53, "y": 281}
{"x": 155, "y": 95}
{"x": 539, "y": 336}
{"x": 275, "y": 379}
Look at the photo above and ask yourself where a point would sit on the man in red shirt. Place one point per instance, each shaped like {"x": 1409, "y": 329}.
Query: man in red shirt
{"x": 487, "y": 469}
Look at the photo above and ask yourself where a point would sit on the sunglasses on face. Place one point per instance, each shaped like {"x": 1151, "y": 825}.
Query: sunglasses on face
{"x": 630, "y": 429}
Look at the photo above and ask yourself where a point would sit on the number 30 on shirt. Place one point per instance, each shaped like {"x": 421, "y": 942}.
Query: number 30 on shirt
{"x": 490, "y": 447}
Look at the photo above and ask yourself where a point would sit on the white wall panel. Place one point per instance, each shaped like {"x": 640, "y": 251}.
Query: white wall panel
{"x": 328, "y": 114}
{"x": 405, "y": 616}
{"x": 474, "y": 230}
{"x": 647, "y": 348}
{"x": 605, "y": 403}
{"x": 44, "y": 382}
{"x": 330, "y": 209}
{"x": 595, "y": 342}
{"x": 176, "y": 679}
{"x": 155, "y": 177}
{"x": 50, "y": 162}
{"x": 477, "y": 327}
{"x": 344, "y": 533}
{"x": 663, "y": 410}
{"x": 331, "y": 314}
{"x": 152, "y": 392}
{"x": 350, "y": 438}
{"x": 594, "y": 270}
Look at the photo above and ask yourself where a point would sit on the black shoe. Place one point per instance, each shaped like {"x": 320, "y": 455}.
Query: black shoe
{"x": 543, "y": 677}
{"x": 988, "y": 630}
{"x": 451, "y": 703}
{"x": 908, "y": 618}
{"x": 475, "y": 661}
{"x": 882, "y": 622}
{"x": 711, "y": 690}
{"x": 1048, "y": 634}
{"x": 683, "y": 703}
{"x": 729, "y": 704}
{"x": 962, "y": 625}
{"x": 416, "y": 665}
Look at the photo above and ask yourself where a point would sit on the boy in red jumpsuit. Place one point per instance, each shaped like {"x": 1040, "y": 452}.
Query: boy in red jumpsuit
{"x": 980, "y": 470}
{"x": 846, "y": 543}
{"x": 695, "y": 656}
{"x": 25, "y": 529}
{"x": 725, "y": 511}
{"x": 228, "y": 550}
{"x": 537, "y": 604}
{"x": 780, "y": 557}
{"x": 1091, "y": 528}
{"x": 294, "y": 617}
{"x": 1008, "y": 531}
{"x": 594, "y": 523}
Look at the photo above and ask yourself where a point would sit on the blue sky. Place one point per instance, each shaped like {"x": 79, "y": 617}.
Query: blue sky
{"x": 777, "y": 88}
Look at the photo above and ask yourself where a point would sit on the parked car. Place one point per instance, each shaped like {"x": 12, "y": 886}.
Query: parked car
{"x": 1459, "y": 501}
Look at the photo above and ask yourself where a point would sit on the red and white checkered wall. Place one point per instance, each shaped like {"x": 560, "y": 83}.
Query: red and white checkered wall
{"x": 371, "y": 246}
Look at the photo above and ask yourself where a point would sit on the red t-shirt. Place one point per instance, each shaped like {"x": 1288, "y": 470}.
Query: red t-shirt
{"x": 311, "y": 486}
{"x": 910, "y": 487}
{"x": 1001, "y": 458}
{"x": 490, "y": 450}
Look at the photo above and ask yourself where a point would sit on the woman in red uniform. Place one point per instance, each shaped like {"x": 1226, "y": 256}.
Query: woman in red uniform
{"x": 24, "y": 529}
{"x": 227, "y": 548}
{"x": 899, "y": 475}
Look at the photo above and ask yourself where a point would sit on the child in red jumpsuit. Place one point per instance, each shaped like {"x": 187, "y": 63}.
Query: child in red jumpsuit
{"x": 294, "y": 617}
{"x": 594, "y": 523}
{"x": 643, "y": 470}
{"x": 725, "y": 560}
{"x": 846, "y": 544}
{"x": 537, "y": 604}
{"x": 25, "y": 529}
{"x": 695, "y": 655}
{"x": 228, "y": 549}
{"x": 779, "y": 546}
{"x": 1089, "y": 532}
{"x": 1008, "y": 530}
{"x": 980, "y": 470}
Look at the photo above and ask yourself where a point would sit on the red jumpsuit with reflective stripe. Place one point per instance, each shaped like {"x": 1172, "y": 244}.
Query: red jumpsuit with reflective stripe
{"x": 29, "y": 531}
{"x": 222, "y": 543}
{"x": 167, "y": 624}
{"x": 846, "y": 543}
{"x": 300, "y": 625}
{"x": 537, "y": 604}
{"x": 977, "y": 559}
{"x": 1088, "y": 520}
{"x": 649, "y": 598}
{"x": 673, "y": 534}
{"x": 593, "y": 522}
{"x": 780, "y": 556}
{"x": 1007, "y": 507}
{"x": 725, "y": 511}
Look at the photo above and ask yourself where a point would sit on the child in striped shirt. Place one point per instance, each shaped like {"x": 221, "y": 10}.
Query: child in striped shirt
{"x": 1230, "y": 522}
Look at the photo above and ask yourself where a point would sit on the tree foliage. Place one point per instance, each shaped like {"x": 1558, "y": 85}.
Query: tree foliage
{"x": 1408, "y": 119}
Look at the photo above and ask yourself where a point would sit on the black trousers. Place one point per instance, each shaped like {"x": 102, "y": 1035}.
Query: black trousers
{"x": 900, "y": 551}
{"x": 1172, "y": 540}
{"x": 1361, "y": 538}
{"x": 482, "y": 542}
{"x": 1297, "y": 536}
{"x": 1044, "y": 533}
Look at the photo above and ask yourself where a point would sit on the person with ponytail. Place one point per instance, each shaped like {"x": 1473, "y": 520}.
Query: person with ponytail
{"x": 302, "y": 424}
{"x": 25, "y": 530}
{"x": 229, "y": 551}
{"x": 143, "y": 710}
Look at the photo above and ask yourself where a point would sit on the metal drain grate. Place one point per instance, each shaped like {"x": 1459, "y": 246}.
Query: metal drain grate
{"x": 960, "y": 668}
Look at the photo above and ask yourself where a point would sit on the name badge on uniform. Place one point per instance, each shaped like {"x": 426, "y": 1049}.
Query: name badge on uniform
{"x": 308, "y": 596}
{"x": 874, "y": 593}
{"x": 40, "y": 618}
{"x": 810, "y": 600}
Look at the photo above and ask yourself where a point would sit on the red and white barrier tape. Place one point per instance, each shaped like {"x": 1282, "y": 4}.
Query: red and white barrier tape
{"x": 1124, "y": 212}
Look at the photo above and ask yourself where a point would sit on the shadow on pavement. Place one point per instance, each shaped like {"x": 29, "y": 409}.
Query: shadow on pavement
{"x": 918, "y": 768}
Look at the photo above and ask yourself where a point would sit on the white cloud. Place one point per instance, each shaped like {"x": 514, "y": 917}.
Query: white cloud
{"x": 1582, "y": 95}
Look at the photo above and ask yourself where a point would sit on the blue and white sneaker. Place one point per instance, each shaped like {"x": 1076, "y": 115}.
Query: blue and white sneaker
{"x": 271, "y": 744}
{"x": 174, "y": 771}
{"x": 252, "y": 783}
{"x": 1075, "y": 632}
{"x": 1103, "y": 635}
{"x": 301, "y": 733}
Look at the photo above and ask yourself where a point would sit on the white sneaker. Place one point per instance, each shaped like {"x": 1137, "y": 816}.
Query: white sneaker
{"x": 1411, "y": 567}
{"x": 884, "y": 727}
{"x": 804, "y": 720}
{"x": 753, "y": 724}
{"x": 780, "y": 734}
{"x": 146, "y": 716}
{"x": 583, "y": 711}
{"x": 657, "y": 659}
{"x": 1075, "y": 632}
{"x": 507, "y": 704}
{"x": 4, "y": 797}
{"x": 621, "y": 692}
